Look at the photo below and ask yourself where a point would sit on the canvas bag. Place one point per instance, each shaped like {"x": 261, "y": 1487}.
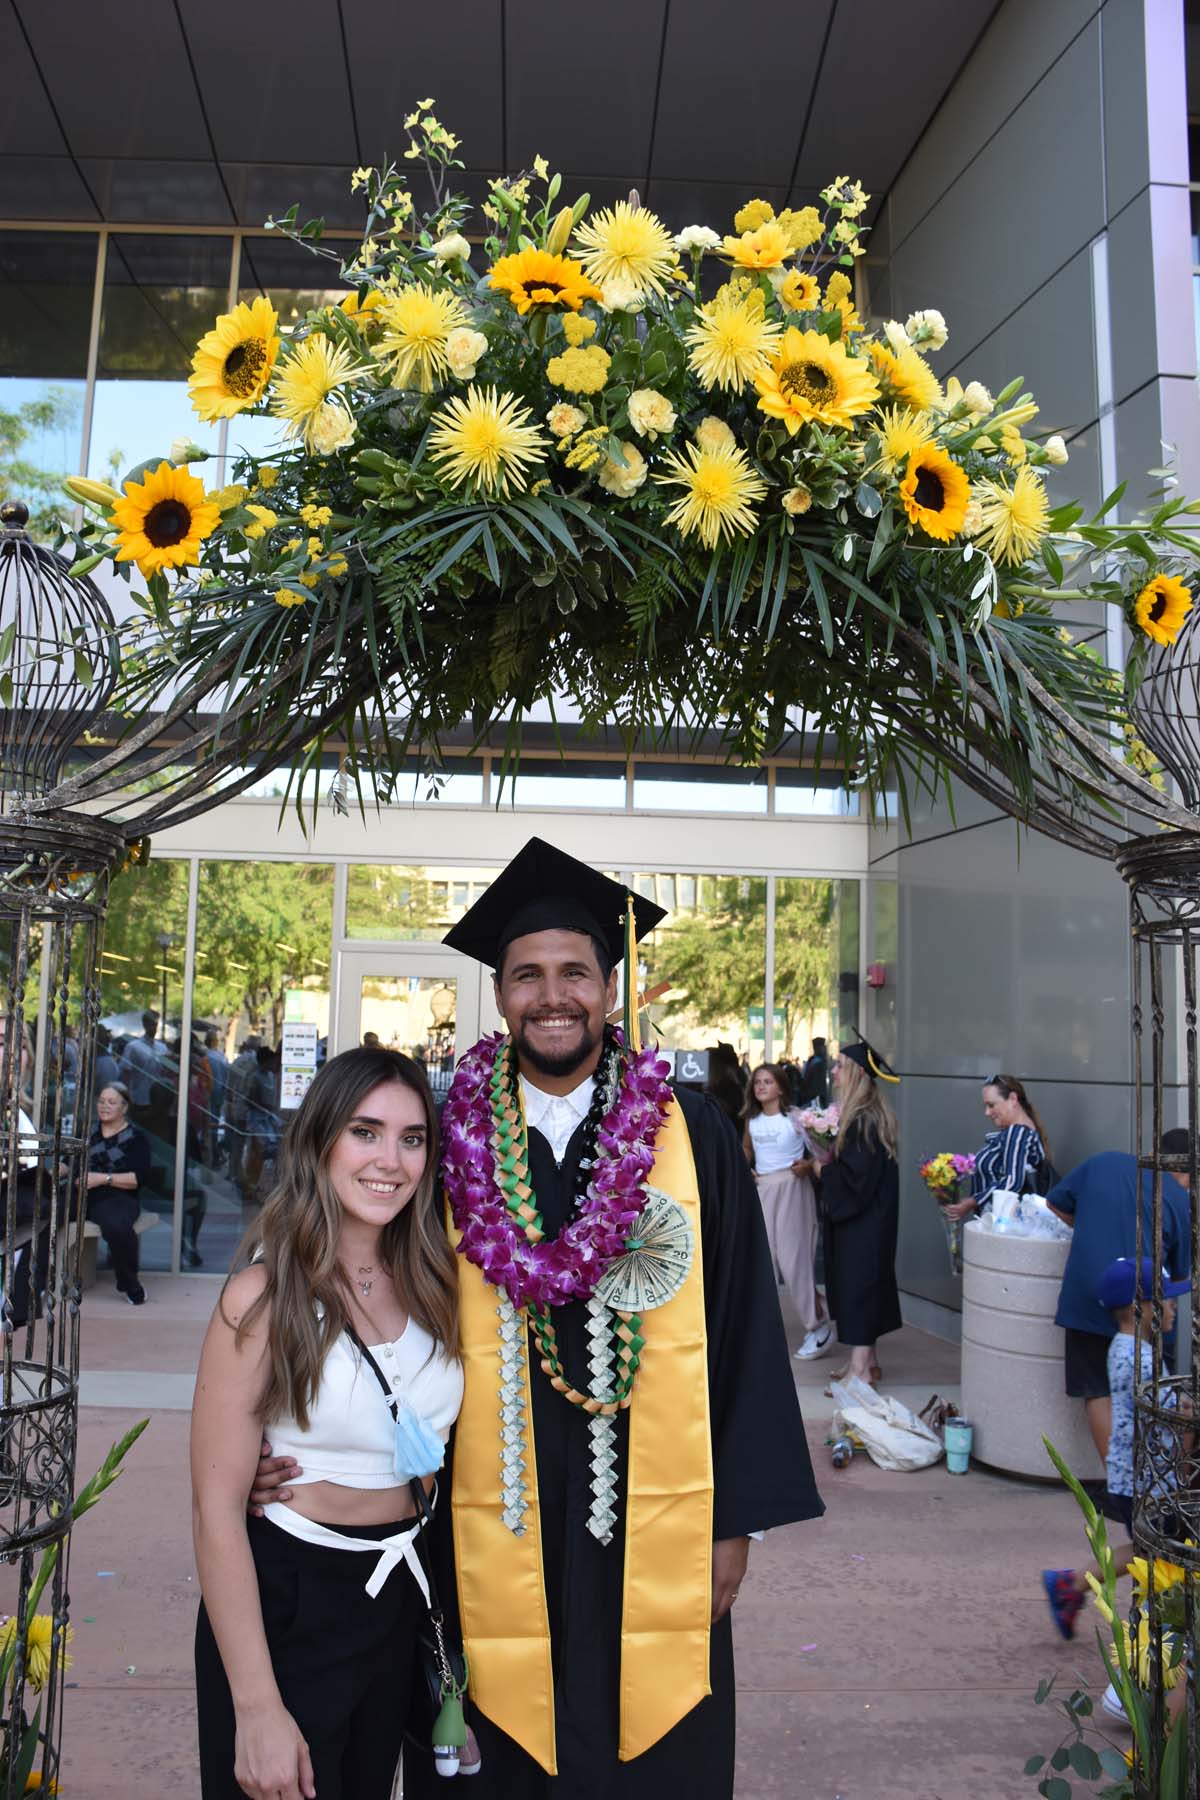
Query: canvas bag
{"x": 892, "y": 1434}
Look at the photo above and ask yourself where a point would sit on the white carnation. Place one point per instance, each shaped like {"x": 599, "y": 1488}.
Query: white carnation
{"x": 1056, "y": 450}
{"x": 694, "y": 240}
{"x": 896, "y": 336}
{"x": 332, "y": 429}
{"x": 621, "y": 295}
{"x": 452, "y": 248}
{"x": 977, "y": 399}
{"x": 928, "y": 329}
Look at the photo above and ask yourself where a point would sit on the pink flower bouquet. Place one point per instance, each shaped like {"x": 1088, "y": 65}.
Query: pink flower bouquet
{"x": 820, "y": 1126}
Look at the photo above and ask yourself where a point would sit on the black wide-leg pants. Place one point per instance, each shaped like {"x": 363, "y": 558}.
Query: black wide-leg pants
{"x": 344, "y": 1664}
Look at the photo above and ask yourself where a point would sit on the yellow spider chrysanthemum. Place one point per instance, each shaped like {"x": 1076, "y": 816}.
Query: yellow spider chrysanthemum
{"x": 935, "y": 493}
{"x": 486, "y": 439}
{"x": 163, "y": 520}
{"x": 1013, "y": 520}
{"x": 900, "y": 432}
{"x": 719, "y": 483}
{"x": 316, "y": 368}
{"x": 813, "y": 380}
{"x": 731, "y": 340}
{"x": 906, "y": 376}
{"x": 800, "y": 292}
{"x": 1161, "y": 608}
{"x": 627, "y": 244}
{"x": 766, "y": 248}
{"x": 535, "y": 278}
{"x": 233, "y": 361}
{"x": 415, "y": 324}
{"x": 39, "y": 1638}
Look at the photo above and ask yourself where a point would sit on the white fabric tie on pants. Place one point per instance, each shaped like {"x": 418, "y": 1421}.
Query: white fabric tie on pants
{"x": 391, "y": 1551}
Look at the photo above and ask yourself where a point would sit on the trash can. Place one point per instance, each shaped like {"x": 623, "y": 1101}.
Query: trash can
{"x": 1012, "y": 1356}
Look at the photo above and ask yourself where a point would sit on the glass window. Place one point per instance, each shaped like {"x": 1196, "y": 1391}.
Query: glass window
{"x": 1194, "y": 200}
{"x": 141, "y": 1012}
{"x": 816, "y": 963}
{"x": 264, "y": 932}
{"x": 47, "y": 279}
{"x": 456, "y": 782}
{"x": 161, "y": 294}
{"x": 698, "y": 787}
{"x": 567, "y": 784}
{"x": 712, "y": 960}
{"x": 416, "y": 1014}
{"x": 802, "y": 791}
{"x": 388, "y": 903}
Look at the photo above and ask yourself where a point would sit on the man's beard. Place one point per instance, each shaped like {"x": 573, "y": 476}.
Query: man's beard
{"x": 564, "y": 1064}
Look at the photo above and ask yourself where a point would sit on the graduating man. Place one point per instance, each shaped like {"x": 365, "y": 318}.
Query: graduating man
{"x": 630, "y": 1417}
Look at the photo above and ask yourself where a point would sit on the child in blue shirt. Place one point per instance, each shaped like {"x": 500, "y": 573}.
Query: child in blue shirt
{"x": 1121, "y": 1283}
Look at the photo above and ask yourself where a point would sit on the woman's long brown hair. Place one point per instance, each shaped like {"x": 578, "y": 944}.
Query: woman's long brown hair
{"x": 1009, "y": 1087}
{"x": 296, "y": 1236}
{"x": 861, "y": 1103}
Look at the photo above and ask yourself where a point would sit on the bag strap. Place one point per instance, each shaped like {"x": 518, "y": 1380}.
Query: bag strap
{"x": 416, "y": 1486}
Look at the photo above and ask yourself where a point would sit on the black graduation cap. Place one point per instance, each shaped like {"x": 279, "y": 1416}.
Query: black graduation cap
{"x": 544, "y": 889}
{"x": 869, "y": 1059}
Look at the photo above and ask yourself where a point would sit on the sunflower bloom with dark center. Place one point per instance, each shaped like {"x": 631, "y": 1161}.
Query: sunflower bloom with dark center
{"x": 811, "y": 380}
{"x": 233, "y": 362}
{"x": 536, "y": 278}
{"x": 935, "y": 493}
{"x": 163, "y": 520}
{"x": 1161, "y": 608}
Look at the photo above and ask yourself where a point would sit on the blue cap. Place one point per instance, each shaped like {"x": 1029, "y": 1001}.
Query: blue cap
{"x": 1121, "y": 1281}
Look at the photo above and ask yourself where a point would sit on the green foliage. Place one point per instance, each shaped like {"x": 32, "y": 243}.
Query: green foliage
{"x": 21, "y": 476}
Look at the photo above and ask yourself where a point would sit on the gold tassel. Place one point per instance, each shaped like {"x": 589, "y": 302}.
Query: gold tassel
{"x": 633, "y": 1023}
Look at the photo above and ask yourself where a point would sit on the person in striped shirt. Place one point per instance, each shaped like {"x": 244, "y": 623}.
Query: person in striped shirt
{"x": 1015, "y": 1157}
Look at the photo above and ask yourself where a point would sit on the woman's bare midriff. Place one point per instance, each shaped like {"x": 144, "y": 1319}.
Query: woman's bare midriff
{"x": 331, "y": 1504}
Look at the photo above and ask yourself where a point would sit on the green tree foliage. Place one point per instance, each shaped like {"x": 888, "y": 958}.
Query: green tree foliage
{"x": 21, "y": 475}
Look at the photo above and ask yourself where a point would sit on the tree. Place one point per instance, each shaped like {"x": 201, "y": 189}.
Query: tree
{"x": 21, "y": 477}
{"x": 714, "y": 959}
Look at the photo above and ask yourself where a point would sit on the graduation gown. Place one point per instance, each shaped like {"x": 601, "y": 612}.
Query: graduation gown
{"x": 762, "y": 1477}
{"x": 860, "y": 1208}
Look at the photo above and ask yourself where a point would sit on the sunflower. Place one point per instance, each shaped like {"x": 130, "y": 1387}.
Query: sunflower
{"x": 628, "y": 244}
{"x": 233, "y": 361}
{"x": 906, "y": 376}
{"x": 731, "y": 340}
{"x": 935, "y": 493}
{"x": 316, "y": 368}
{"x": 535, "y": 278}
{"x": 800, "y": 292}
{"x": 814, "y": 380}
{"x": 486, "y": 438}
{"x": 163, "y": 520}
{"x": 766, "y": 248}
{"x": 719, "y": 484}
{"x": 416, "y": 323}
{"x": 900, "y": 432}
{"x": 1161, "y": 608}
{"x": 1013, "y": 520}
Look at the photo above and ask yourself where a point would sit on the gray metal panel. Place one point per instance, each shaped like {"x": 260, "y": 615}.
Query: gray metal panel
{"x": 401, "y": 54}
{"x": 27, "y": 123}
{"x": 284, "y": 96}
{"x": 1150, "y": 283}
{"x": 139, "y": 192}
{"x": 1151, "y": 426}
{"x": 987, "y": 248}
{"x": 729, "y": 113}
{"x": 1017, "y": 51}
{"x": 1126, "y": 150}
{"x": 547, "y": 113}
{"x": 43, "y": 187}
{"x": 120, "y": 88}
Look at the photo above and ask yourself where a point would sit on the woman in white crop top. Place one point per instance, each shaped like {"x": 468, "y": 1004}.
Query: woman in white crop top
{"x": 780, "y": 1154}
{"x": 306, "y": 1636}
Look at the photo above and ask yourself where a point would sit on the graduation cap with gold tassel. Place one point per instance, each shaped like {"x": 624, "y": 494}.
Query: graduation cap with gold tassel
{"x": 869, "y": 1059}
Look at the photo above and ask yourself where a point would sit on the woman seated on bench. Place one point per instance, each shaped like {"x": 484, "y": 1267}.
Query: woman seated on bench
{"x": 118, "y": 1164}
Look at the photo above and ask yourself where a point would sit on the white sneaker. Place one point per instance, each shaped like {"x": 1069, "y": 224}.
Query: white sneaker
{"x": 1111, "y": 1704}
{"x": 816, "y": 1342}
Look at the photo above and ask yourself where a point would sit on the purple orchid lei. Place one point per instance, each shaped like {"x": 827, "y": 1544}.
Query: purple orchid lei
{"x": 569, "y": 1266}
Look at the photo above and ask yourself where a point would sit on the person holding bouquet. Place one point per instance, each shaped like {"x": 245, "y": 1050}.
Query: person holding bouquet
{"x": 779, "y": 1154}
{"x": 860, "y": 1206}
{"x": 1015, "y": 1157}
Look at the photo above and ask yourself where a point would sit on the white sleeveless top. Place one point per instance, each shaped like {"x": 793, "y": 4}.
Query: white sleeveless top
{"x": 351, "y": 1435}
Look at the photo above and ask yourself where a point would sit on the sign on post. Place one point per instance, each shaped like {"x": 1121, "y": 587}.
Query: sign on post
{"x": 298, "y": 1062}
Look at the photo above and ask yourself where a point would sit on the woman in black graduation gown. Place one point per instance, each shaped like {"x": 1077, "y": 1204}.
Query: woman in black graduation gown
{"x": 860, "y": 1207}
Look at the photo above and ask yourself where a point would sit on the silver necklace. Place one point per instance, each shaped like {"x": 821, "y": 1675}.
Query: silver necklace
{"x": 365, "y": 1279}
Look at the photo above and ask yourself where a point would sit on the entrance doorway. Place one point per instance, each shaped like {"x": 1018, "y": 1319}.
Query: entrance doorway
{"x": 429, "y": 1002}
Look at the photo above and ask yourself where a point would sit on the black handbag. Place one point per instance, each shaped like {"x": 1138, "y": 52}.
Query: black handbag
{"x": 441, "y": 1661}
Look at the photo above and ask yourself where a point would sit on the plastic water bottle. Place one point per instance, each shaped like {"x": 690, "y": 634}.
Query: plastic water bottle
{"x": 841, "y": 1452}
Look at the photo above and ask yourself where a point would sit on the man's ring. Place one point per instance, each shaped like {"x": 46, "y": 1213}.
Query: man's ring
{"x": 733, "y": 1596}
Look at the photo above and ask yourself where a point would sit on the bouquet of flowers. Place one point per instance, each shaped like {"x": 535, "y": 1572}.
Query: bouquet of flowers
{"x": 820, "y": 1127}
{"x": 522, "y": 464}
{"x": 945, "y": 1175}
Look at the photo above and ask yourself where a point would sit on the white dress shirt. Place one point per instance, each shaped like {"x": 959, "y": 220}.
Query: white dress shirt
{"x": 557, "y": 1116}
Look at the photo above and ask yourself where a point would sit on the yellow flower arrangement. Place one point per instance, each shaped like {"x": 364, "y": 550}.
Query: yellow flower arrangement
{"x": 233, "y": 362}
{"x": 1013, "y": 518}
{"x": 752, "y": 215}
{"x": 39, "y": 1647}
{"x": 718, "y": 485}
{"x": 415, "y": 324}
{"x": 730, "y": 340}
{"x": 163, "y": 520}
{"x": 628, "y": 244}
{"x": 812, "y": 381}
{"x": 577, "y": 329}
{"x": 766, "y": 248}
{"x": 900, "y": 432}
{"x": 486, "y": 439}
{"x": 800, "y": 291}
{"x": 906, "y": 376}
{"x": 303, "y": 383}
{"x": 935, "y": 493}
{"x": 535, "y": 278}
{"x": 1161, "y": 608}
{"x": 582, "y": 371}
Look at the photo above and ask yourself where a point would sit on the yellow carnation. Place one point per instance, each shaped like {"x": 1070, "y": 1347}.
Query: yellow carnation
{"x": 650, "y": 413}
{"x": 464, "y": 347}
{"x": 580, "y": 371}
{"x": 577, "y": 330}
{"x": 623, "y": 479}
{"x": 797, "y": 500}
{"x": 752, "y": 215}
{"x": 565, "y": 420}
{"x": 714, "y": 434}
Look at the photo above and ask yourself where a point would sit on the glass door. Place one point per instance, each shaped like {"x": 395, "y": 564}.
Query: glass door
{"x": 422, "y": 1001}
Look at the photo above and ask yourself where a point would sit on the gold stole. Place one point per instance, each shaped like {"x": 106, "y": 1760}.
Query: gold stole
{"x": 667, "y": 1597}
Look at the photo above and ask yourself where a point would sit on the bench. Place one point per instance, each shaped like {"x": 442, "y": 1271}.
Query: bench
{"x": 145, "y": 1221}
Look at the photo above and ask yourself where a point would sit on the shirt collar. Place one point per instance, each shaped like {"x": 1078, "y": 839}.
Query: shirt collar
{"x": 538, "y": 1102}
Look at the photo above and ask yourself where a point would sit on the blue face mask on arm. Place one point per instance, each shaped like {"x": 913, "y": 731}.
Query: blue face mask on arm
{"x": 418, "y": 1449}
